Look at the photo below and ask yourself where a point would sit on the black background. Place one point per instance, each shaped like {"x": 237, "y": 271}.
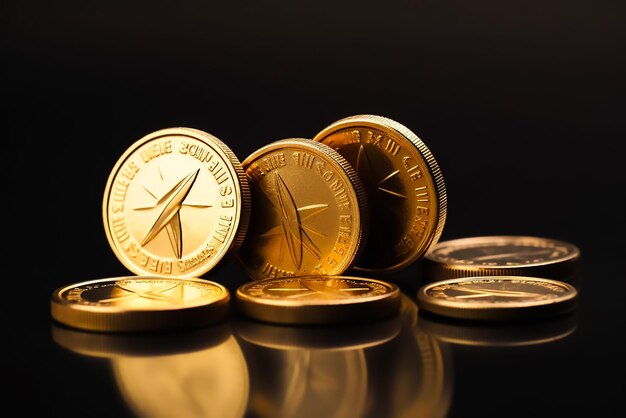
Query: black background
{"x": 520, "y": 102}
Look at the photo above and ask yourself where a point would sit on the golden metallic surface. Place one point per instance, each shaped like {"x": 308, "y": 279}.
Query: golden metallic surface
{"x": 318, "y": 299}
{"x": 310, "y": 211}
{"x": 198, "y": 373}
{"x": 502, "y": 255}
{"x": 404, "y": 186}
{"x": 404, "y": 374}
{"x": 175, "y": 204}
{"x": 497, "y": 298}
{"x": 488, "y": 334}
{"x": 140, "y": 303}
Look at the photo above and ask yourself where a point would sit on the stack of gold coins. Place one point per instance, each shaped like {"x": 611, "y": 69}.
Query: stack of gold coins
{"x": 365, "y": 194}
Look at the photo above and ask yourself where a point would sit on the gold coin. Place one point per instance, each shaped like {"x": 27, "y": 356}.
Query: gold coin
{"x": 310, "y": 211}
{"x": 139, "y": 303}
{"x": 502, "y": 256}
{"x": 497, "y": 297}
{"x": 176, "y": 202}
{"x": 318, "y": 299}
{"x": 404, "y": 186}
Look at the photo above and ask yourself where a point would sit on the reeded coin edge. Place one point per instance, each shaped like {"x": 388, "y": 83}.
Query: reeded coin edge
{"x": 242, "y": 193}
{"x": 467, "y": 243}
{"x": 375, "y": 121}
{"x": 354, "y": 181}
{"x": 106, "y": 318}
{"x": 498, "y": 311}
{"x": 245, "y": 297}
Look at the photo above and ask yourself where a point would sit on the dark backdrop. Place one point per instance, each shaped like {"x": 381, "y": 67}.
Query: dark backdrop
{"x": 521, "y": 103}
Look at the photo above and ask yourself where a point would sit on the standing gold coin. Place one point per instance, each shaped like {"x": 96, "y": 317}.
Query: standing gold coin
{"x": 318, "y": 299}
{"x": 403, "y": 183}
{"x": 140, "y": 303}
{"x": 175, "y": 203}
{"x": 502, "y": 256}
{"x": 310, "y": 211}
{"x": 497, "y": 297}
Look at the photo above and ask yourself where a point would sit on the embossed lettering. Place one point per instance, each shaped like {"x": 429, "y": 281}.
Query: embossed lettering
{"x": 156, "y": 149}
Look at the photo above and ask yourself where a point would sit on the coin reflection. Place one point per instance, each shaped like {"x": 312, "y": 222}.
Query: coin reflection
{"x": 200, "y": 373}
{"x": 498, "y": 334}
{"x": 377, "y": 368}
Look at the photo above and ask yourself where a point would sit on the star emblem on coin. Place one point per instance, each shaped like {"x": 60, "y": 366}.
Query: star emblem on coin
{"x": 292, "y": 227}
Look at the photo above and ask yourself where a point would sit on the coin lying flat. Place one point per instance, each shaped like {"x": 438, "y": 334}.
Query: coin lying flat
{"x": 497, "y": 297}
{"x": 404, "y": 186}
{"x": 318, "y": 299}
{"x": 139, "y": 303}
{"x": 310, "y": 211}
{"x": 176, "y": 202}
{"x": 501, "y": 256}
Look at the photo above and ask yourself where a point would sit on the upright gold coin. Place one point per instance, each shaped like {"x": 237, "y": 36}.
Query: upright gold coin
{"x": 137, "y": 303}
{"x": 501, "y": 256}
{"x": 403, "y": 183}
{"x": 497, "y": 297}
{"x": 318, "y": 299}
{"x": 175, "y": 204}
{"x": 310, "y": 211}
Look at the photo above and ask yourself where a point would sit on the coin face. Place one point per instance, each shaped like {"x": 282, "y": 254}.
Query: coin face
{"x": 310, "y": 211}
{"x": 318, "y": 299}
{"x": 404, "y": 186}
{"x": 501, "y": 255}
{"x": 175, "y": 204}
{"x": 137, "y": 303}
{"x": 497, "y": 297}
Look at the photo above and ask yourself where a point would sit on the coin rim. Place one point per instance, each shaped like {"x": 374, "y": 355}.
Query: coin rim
{"x": 240, "y": 183}
{"x": 501, "y": 311}
{"x": 559, "y": 269}
{"x": 318, "y": 312}
{"x": 108, "y": 318}
{"x": 385, "y": 124}
{"x": 353, "y": 181}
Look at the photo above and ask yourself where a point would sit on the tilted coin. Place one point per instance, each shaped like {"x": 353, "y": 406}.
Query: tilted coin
{"x": 404, "y": 186}
{"x": 502, "y": 256}
{"x": 497, "y": 297}
{"x": 310, "y": 211}
{"x": 318, "y": 299}
{"x": 175, "y": 203}
{"x": 140, "y": 303}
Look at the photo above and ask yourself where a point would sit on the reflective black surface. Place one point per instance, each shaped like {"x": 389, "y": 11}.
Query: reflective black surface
{"x": 521, "y": 104}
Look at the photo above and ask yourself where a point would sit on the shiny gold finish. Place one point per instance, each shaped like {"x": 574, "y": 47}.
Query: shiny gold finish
{"x": 318, "y": 299}
{"x": 404, "y": 186}
{"x": 137, "y": 303}
{"x": 175, "y": 204}
{"x": 198, "y": 373}
{"x": 310, "y": 212}
{"x": 497, "y": 298}
{"x": 500, "y": 334}
{"x": 502, "y": 256}
{"x": 396, "y": 372}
